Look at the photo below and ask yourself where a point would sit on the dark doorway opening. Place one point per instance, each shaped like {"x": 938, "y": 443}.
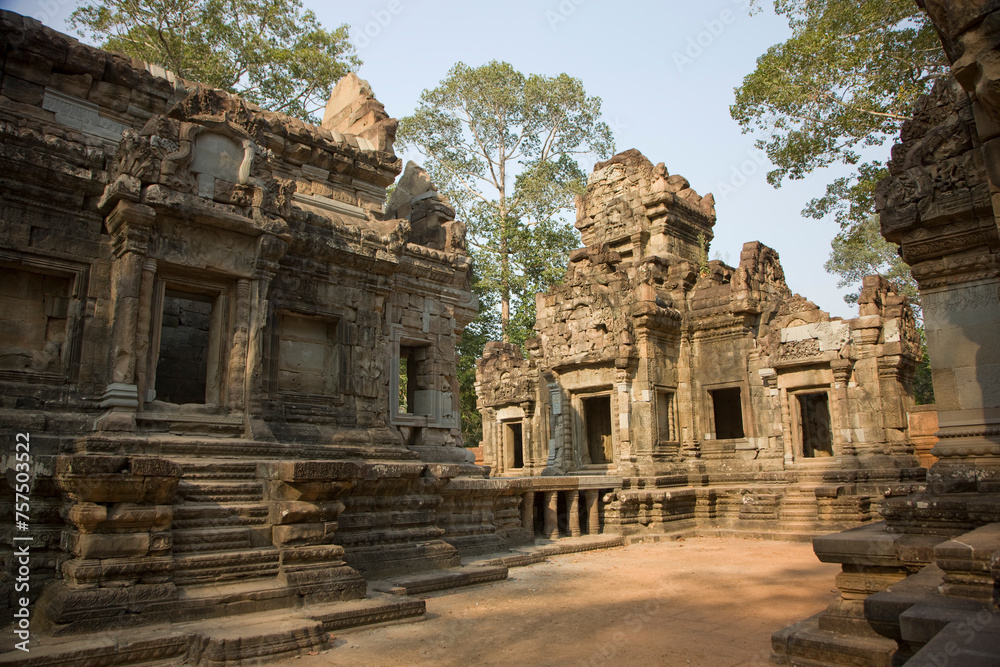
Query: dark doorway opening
{"x": 513, "y": 444}
{"x": 728, "y": 411}
{"x": 182, "y": 366}
{"x": 597, "y": 421}
{"x": 817, "y": 433}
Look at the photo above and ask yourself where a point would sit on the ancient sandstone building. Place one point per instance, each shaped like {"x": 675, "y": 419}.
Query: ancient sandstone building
{"x": 235, "y": 372}
{"x": 691, "y": 394}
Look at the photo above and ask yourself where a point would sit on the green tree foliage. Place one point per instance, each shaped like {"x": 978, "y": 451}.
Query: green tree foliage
{"x": 268, "y": 51}
{"x": 844, "y": 82}
{"x": 503, "y": 147}
{"x": 861, "y": 251}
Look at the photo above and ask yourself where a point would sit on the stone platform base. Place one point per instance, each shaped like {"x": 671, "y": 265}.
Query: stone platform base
{"x": 543, "y": 549}
{"x": 248, "y": 639}
{"x": 438, "y": 581}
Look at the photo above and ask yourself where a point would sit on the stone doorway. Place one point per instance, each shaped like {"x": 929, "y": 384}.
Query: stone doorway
{"x": 727, "y": 409}
{"x": 513, "y": 445}
{"x": 597, "y": 427}
{"x": 814, "y": 425}
{"x": 185, "y": 341}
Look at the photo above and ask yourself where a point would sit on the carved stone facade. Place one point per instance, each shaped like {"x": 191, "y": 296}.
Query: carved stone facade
{"x": 710, "y": 394}
{"x": 921, "y": 588}
{"x": 237, "y": 374}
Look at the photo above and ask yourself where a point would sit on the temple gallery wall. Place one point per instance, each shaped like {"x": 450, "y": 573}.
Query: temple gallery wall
{"x": 235, "y": 358}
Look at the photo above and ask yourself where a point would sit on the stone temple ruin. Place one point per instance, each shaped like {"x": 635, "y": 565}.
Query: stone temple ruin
{"x": 202, "y": 310}
{"x": 695, "y": 395}
{"x": 234, "y": 363}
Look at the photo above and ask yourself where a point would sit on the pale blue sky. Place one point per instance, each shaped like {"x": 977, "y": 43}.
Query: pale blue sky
{"x": 664, "y": 70}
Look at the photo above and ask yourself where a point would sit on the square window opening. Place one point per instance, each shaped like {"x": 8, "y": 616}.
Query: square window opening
{"x": 413, "y": 381}
{"x": 666, "y": 422}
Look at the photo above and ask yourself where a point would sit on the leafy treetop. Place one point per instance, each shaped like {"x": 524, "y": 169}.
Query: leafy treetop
{"x": 268, "y": 51}
{"x": 845, "y": 81}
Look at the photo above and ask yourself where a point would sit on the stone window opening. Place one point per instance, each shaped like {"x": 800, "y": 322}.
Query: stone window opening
{"x": 409, "y": 358}
{"x": 815, "y": 430}
{"x": 666, "y": 416}
{"x": 727, "y": 413}
{"x": 412, "y": 388}
{"x": 188, "y": 365}
{"x": 513, "y": 445}
{"x": 597, "y": 429}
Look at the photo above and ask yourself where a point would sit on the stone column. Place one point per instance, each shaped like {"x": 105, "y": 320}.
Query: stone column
{"x": 271, "y": 249}
{"x": 129, "y": 226}
{"x": 550, "y": 527}
{"x": 592, "y": 498}
{"x": 573, "y": 507}
{"x": 528, "y": 511}
{"x": 142, "y": 351}
{"x": 840, "y": 411}
{"x": 238, "y": 353}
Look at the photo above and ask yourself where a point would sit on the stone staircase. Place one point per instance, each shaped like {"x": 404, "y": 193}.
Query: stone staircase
{"x": 220, "y": 529}
{"x": 798, "y": 511}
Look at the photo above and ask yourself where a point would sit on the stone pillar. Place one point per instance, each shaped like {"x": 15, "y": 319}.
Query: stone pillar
{"x": 593, "y": 500}
{"x": 238, "y": 353}
{"x": 142, "y": 351}
{"x": 128, "y": 224}
{"x": 840, "y": 410}
{"x": 270, "y": 251}
{"x": 550, "y": 527}
{"x": 622, "y": 421}
{"x": 573, "y": 507}
{"x": 528, "y": 512}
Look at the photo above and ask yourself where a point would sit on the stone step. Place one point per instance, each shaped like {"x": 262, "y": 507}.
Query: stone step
{"x": 444, "y": 579}
{"x": 202, "y": 540}
{"x": 806, "y": 645}
{"x": 225, "y": 566}
{"x": 544, "y": 549}
{"x": 220, "y": 492}
{"x": 210, "y": 515}
{"x": 249, "y": 639}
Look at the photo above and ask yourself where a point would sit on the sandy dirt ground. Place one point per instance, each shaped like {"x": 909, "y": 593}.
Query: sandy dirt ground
{"x": 701, "y": 601}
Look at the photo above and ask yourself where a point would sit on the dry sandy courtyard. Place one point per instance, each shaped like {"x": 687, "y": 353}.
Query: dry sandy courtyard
{"x": 701, "y": 601}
